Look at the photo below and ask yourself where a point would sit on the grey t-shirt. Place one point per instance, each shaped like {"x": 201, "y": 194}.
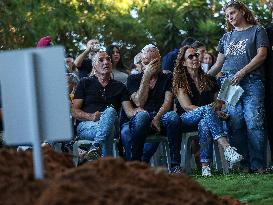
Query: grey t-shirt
{"x": 240, "y": 47}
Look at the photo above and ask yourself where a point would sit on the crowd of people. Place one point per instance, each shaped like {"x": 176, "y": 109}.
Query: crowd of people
{"x": 176, "y": 94}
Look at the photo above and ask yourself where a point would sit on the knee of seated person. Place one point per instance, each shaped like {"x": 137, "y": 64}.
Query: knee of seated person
{"x": 202, "y": 124}
{"x": 209, "y": 109}
{"x": 110, "y": 111}
{"x": 174, "y": 117}
{"x": 142, "y": 116}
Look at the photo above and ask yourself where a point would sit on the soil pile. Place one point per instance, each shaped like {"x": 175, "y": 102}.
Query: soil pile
{"x": 17, "y": 183}
{"x": 106, "y": 181}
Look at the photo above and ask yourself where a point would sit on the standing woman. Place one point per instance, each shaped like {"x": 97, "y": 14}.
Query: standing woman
{"x": 242, "y": 51}
{"x": 119, "y": 72}
{"x": 195, "y": 92}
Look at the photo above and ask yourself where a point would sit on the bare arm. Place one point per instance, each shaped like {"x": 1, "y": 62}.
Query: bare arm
{"x": 185, "y": 101}
{"x": 140, "y": 97}
{"x": 216, "y": 68}
{"x": 166, "y": 106}
{"x": 78, "y": 61}
{"x": 253, "y": 64}
{"x": 79, "y": 114}
{"x": 129, "y": 109}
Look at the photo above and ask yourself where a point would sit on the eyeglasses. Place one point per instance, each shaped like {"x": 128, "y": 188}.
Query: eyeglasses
{"x": 193, "y": 55}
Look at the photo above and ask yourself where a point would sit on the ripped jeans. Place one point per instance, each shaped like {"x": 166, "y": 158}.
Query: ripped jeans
{"x": 209, "y": 126}
{"x": 101, "y": 131}
{"x": 246, "y": 123}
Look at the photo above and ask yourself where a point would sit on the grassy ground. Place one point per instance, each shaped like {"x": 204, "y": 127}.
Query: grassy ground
{"x": 254, "y": 189}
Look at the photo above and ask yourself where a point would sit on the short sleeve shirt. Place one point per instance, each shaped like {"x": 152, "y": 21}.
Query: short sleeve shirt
{"x": 98, "y": 98}
{"x": 240, "y": 47}
{"x": 156, "y": 95}
{"x": 168, "y": 61}
{"x": 85, "y": 69}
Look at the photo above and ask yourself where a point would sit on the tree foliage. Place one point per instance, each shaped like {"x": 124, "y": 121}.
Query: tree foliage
{"x": 129, "y": 23}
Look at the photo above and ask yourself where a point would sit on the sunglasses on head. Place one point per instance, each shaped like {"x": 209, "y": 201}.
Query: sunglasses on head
{"x": 193, "y": 55}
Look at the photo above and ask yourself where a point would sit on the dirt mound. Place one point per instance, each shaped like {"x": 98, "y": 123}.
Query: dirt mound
{"x": 17, "y": 185}
{"x": 106, "y": 181}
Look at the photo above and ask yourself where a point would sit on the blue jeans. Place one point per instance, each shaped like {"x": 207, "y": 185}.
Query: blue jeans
{"x": 102, "y": 131}
{"x": 246, "y": 123}
{"x": 134, "y": 133}
{"x": 209, "y": 126}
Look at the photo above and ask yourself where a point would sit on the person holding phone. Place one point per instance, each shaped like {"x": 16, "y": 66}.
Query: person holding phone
{"x": 84, "y": 61}
{"x": 151, "y": 91}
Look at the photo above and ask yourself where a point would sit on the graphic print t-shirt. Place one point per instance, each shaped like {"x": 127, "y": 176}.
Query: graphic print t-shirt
{"x": 240, "y": 47}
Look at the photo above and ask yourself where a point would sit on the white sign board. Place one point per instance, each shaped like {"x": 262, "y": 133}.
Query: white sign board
{"x": 35, "y": 99}
{"x": 34, "y": 94}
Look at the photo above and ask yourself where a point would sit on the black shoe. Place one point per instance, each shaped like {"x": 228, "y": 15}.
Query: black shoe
{"x": 93, "y": 153}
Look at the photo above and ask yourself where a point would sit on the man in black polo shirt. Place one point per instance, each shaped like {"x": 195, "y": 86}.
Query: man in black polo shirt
{"x": 97, "y": 100}
{"x": 151, "y": 91}
{"x": 84, "y": 61}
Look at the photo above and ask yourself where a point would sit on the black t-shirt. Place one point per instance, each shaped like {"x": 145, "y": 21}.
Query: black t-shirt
{"x": 97, "y": 98}
{"x": 157, "y": 94}
{"x": 85, "y": 69}
{"x": 200, "y": 99}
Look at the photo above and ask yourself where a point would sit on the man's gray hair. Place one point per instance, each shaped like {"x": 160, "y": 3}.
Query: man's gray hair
{"x": 148, "y": 47}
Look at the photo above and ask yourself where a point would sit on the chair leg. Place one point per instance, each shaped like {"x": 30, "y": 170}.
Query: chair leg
{"x": 221, "y": 163}
{"x": 167, "y": 154}
{"x": 115, "y": 148}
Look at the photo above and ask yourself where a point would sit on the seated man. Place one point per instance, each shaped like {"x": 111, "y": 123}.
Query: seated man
{"x": 151, "y": 91}
{"x": 96, "y": 102}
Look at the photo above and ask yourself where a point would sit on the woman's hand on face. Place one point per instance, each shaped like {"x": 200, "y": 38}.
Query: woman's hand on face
{"x": 237, "y": 77}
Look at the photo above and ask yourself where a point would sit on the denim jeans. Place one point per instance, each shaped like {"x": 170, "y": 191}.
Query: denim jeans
{"x": 101, "y": 131}
{"x": 246, "y": 123}
{"x": 134, "y": 133}
{"x": 209, "y": 126}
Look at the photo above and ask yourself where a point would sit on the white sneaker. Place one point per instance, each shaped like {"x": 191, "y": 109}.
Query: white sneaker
{"x": 231, "y": 155}
{"x": 206, "y": 171}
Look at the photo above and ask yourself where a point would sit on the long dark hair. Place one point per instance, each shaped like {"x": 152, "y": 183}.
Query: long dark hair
{"x": 120, "y": 66}
{"x": 180, "y": 75}
{"x": 248, "y": 15}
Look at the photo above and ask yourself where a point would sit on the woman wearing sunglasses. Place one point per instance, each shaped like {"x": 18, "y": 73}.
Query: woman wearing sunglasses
{"x": 195, "y": 92}
{"x": 242, "y": 51}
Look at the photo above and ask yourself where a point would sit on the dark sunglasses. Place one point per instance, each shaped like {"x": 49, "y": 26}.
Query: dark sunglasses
{"x": 193, "y": 55}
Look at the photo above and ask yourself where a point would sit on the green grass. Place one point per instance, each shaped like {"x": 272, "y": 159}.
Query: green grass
{"x": 254, "y": 189}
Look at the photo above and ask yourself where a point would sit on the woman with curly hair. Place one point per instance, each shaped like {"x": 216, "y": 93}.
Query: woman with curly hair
{"x": 242, "y": 51}
{"x": 195, "y": 92}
